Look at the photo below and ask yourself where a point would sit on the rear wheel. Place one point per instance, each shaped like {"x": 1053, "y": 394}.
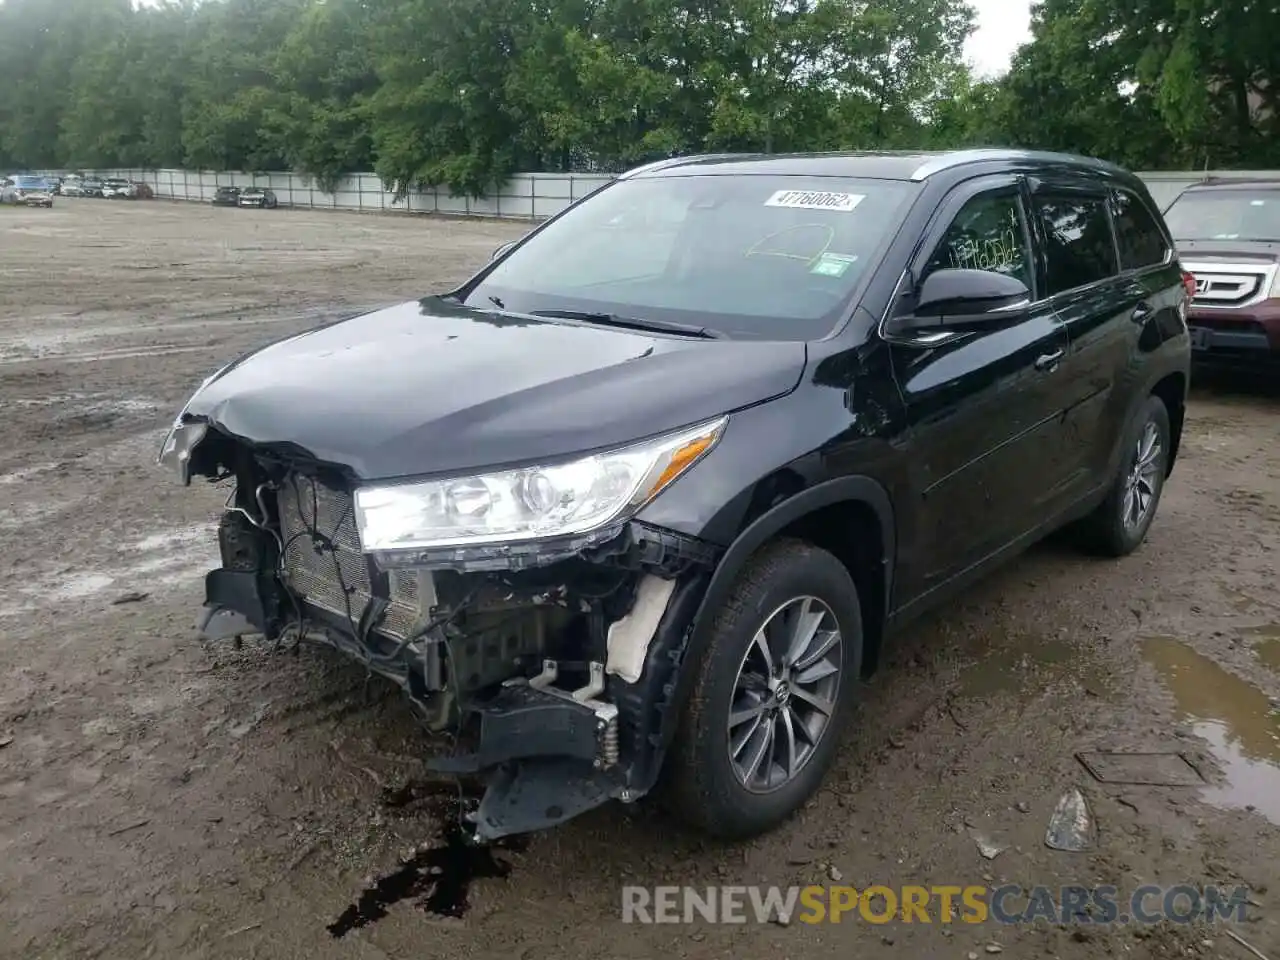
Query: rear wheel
{"x": 764, "y": 719}
{"x": 1120, "y": 524}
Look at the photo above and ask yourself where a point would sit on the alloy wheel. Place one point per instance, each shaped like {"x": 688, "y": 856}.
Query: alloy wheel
{"x": 785, "y": 694}
{"x": 1142, "y": 481}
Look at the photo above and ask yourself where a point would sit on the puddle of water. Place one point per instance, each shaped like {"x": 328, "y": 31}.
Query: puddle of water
{"x": 1010, "y": 670}
{"x": 1237, "y": 720}
{"x": 437, "y": 879}
{"x": 1267, "y": 644}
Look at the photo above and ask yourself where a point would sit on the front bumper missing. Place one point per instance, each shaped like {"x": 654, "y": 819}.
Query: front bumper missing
{"x": 551, "y": 744}
{"x": 550, "y": 753}
{"x": 553, "y": 753}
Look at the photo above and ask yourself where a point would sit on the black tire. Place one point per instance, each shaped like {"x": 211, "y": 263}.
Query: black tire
{"x": 1106, "y": 531}
{"x": 699, "y": 785}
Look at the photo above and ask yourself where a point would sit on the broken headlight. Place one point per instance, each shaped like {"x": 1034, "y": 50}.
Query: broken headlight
{"x": 175, "y": 452}
{"x": 528, "y": 503}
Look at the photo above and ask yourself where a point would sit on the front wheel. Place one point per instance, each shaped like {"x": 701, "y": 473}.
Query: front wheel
{"x": 1120, "y": 524}
{"x": 763, "y": 721}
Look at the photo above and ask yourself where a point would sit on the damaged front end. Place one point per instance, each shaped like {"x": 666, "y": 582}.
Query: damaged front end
{"x": 550, "y": 656}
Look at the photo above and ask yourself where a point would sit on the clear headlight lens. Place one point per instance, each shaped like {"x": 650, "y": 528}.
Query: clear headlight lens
{"x": 530, "y": 502}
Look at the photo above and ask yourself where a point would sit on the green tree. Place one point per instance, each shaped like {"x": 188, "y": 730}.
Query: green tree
{"x": 41, "y": 43}
{"x": 461, "y": 93}
{"x": 325, "y": 76}
{"x": 894, "y": 62}
{"x": 231, "y": 110}
{"x": 124, "y": 107}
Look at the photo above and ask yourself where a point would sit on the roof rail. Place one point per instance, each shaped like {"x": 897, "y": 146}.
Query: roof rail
{"x": 958, "y": 158}
{"x": 682, "y": 161}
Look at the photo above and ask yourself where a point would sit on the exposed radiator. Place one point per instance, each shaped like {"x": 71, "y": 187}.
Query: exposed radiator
{"x": 313, "y": 572}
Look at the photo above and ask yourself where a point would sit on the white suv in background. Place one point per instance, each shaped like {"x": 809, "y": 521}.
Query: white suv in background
{"x": 119, "y": 188}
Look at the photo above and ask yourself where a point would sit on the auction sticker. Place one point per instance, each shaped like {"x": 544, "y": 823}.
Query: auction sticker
{"x": 814, "y": 200}
{"x": 832, "y": 265}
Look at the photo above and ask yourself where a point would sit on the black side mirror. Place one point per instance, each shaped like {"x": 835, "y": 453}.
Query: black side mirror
{"x": 501, "y": 250}
{"x": 966, "y": 300}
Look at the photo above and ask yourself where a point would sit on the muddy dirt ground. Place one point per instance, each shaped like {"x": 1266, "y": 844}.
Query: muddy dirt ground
{"x": 160, "y": 798}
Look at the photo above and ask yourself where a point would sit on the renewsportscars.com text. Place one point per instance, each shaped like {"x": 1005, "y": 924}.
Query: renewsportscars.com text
{"x": 973, "y": 904}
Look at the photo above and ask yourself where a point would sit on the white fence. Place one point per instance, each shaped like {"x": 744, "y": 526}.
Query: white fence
{"x": 526, "y": 196}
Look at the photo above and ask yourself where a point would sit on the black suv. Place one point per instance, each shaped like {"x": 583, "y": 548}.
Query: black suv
{"x": 1228, "y": 237}
{"x": 636, "y": 506}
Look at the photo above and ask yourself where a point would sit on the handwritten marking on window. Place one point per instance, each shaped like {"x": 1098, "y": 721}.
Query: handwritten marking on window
{"x": 1000, "y": 253}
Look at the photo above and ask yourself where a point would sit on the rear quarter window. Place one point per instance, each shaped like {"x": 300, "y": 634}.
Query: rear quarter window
{"x": 1138, "y": 235}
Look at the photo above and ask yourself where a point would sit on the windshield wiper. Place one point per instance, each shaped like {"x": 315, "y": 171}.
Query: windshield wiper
{"x": 633, "y": 323}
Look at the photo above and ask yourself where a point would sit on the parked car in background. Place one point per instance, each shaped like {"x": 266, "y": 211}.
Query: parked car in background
{"x": 643, "y": 500}
{"x": 226, "y": 197}
{"x": 91, "y": 187}
{"x": 28, "y": 190}
{"x": 262, "y": 197}
{"x": 117, "y": 189}
{"x": 71, "y": 185}
{"x": 1228, "y": 237}
{"x": 55, "y": 185}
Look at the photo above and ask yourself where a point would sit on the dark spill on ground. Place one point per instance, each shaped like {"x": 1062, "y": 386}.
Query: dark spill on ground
{"x": 1239, "y": 722}
{"x": 437, "y": 879}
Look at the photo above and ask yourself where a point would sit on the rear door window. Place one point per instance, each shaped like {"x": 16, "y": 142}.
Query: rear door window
{"x": 1079, "y": 249}
{"x": 1139, "y": 237}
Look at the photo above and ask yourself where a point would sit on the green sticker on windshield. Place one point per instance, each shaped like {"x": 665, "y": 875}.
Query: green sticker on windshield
{"x": 832, "y": 265}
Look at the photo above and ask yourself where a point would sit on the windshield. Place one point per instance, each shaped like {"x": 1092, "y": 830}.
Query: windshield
{"x": 1226, "y": 215}
{"x": 771, "y": 257}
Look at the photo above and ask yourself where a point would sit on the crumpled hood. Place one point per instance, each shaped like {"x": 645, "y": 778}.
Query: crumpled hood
{"x": 432, "y": 387}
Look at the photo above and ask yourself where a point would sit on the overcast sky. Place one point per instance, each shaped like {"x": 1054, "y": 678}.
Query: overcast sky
{"x": 1002, "y": 26}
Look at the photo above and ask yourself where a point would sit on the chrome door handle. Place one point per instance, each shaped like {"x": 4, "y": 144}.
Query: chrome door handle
{"x": 1140, "y": 312}
{"x": 1050, "y": 360}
